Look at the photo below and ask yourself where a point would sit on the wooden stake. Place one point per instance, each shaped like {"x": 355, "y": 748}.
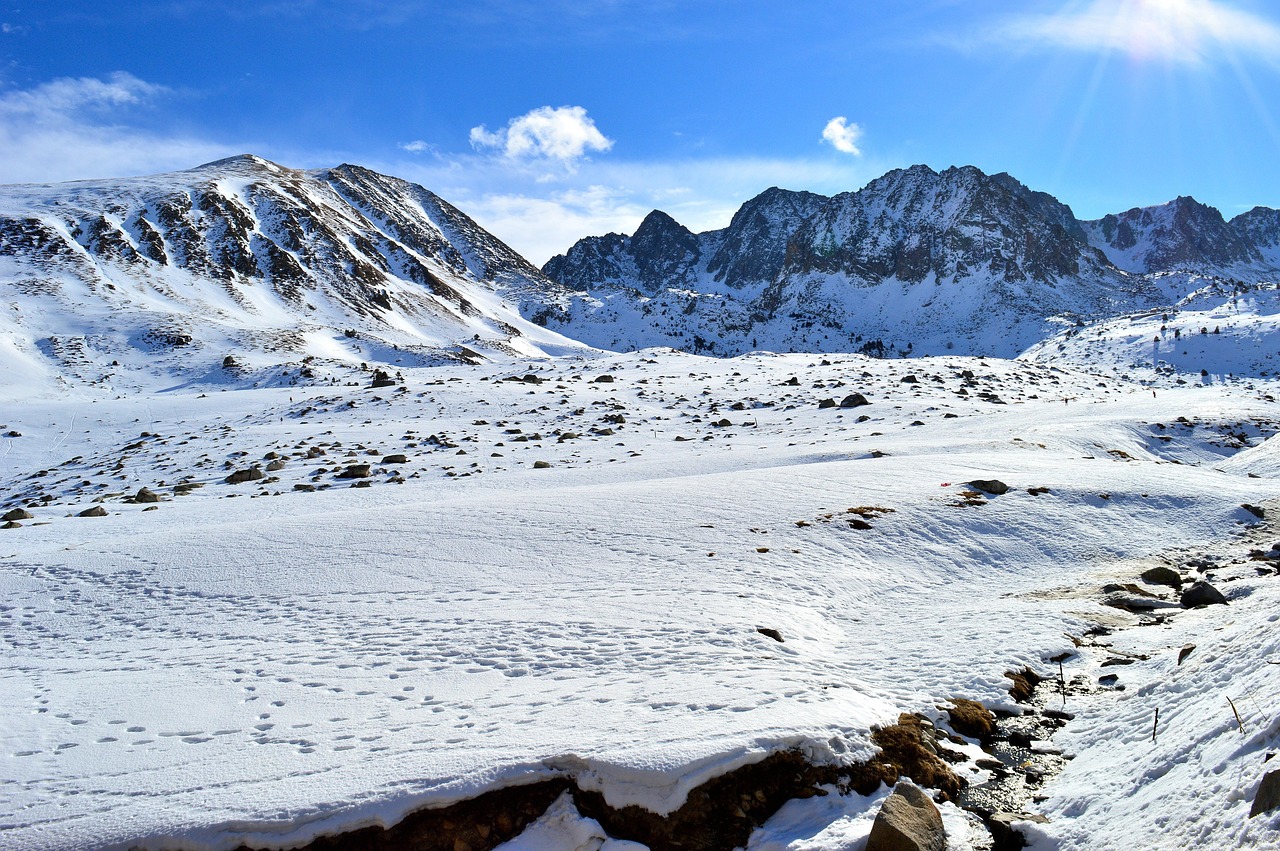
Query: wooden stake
{"x": 1154, "y": 725}
{"x": 1237, "y": 714}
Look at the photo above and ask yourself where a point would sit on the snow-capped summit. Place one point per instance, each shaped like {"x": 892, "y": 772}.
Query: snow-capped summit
{"x": 1182, "y": 235}
{"x": 917, "y": 261}
{"x": 246, "y": 259}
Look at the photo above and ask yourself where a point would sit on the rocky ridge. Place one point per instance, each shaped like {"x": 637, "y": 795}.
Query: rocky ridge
{"x": 916, "y": 262}
{"x": 248, "y": 260}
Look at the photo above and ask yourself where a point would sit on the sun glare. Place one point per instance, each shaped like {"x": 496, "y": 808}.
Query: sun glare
{"x": 1169, "y": 30}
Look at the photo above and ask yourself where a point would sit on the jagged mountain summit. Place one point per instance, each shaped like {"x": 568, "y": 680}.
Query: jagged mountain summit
{"x": 265, "y": 269}
{"x": 918, "y": 261}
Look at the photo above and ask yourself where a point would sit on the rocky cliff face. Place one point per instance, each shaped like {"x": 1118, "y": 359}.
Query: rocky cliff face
{"x": 246, "y": 258}
{"x": 1261, "y": 227}
{"x": 918, "y": 261}
{"x": 1183, "y": 235}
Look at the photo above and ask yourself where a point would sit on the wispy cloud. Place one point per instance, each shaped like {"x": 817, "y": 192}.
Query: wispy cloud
{"x": 417, "y": 146}
{"x": 73, "y": 128}
{"x": 564, "y": 134}
{"x": 842, "y": 135}
{"x": 1182, "y": 31}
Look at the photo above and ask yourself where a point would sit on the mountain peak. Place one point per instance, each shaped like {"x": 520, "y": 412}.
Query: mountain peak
{"x": 243, "y": 163}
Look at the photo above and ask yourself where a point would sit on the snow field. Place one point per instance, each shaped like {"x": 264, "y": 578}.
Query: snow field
{"x": 271, "y": 667}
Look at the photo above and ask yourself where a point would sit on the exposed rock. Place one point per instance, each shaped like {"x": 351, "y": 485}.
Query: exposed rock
{"x": 1268, "y": 796}
{"x": 768, "y": 632}
{"x": 241, "y": 476}
{"x": 827, "y": 403}
{"x": 908, "y": 821}
{"x": 1162, "y": 576}
{"x": 304, "y": 487}
{"x": 1004, "y": 835}
{"x": 604, "y": 379}
{"x": 1256, "y": 510}
{"x": 17, "y": 514}
{"x": 541, "y": 465}
{"x": 994, "y": 487}
{"x": 12, "y": 524}
{"x": 1202, "y": 594}
{"x": 96, "y": 511}
{"x": 145, "y": 495}
{"x": 275, "y": 466}
{"x": 356, "y": 471}
{"x": 854, "y": 400}
{"x": 396, "y": 459}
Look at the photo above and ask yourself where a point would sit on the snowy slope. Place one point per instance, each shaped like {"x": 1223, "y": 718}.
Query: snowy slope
{"x": 261, "y": 663}
{"x": 1222, "y": 329}
{"x": 126, "y": 283}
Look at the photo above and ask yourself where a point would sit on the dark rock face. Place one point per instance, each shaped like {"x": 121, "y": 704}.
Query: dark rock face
{"x": 995, "y": 487}
{"x": 908, "y": 821}
{"x": 1268, "y": 797}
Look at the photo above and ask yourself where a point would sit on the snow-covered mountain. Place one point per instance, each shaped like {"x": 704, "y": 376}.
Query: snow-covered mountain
{"x": 265, "y": 269}
{"x": 1183, "y": 235}
{"x": 917, "y": 261}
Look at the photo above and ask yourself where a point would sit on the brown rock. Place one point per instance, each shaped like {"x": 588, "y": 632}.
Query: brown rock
{"x": 1268, "y": 796}
{"x": 145, "y": 495}
{"x": 356, "y": 471}
{"x": 908, "y": 821}
{"x": 96, "y": 511}
{"x": 17, "y": 514}
{"x": 241, "y": 476}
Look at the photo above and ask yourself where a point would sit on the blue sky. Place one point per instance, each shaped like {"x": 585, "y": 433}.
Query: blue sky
{"x": 551, "y": 120}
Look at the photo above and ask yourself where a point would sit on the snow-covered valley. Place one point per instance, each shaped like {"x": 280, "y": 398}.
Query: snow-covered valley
{"x": 265, "y": 662}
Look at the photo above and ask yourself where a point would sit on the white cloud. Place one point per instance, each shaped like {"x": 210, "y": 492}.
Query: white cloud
{"x": 417, "y": 146}
{"x": 71, "y": 128}
{"x": 564, "y": 134}
{"x": 842, "y": 135}
{"x": 1186, "y": 31}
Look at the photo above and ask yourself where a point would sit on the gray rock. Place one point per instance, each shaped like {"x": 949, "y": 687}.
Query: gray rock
{"x": 275, "y": 466}
{"x": 1268, "y": 797}
{"x": 17, "y": 514}
{"x": 241, "y": 476}
{"x": 1202, "y": 594}
{"x": 541, "y": 465}
{"x": 769, "y": 632}
{"x": 396, "y": 459}
{"x": 96, "y": 511}
{"x": 356, "y": 471}
{"x": 12, "y": 524}
{"x": 854, "y": 400}
{"x": 908, "y": 821}
{"x": 991, "y": 486}
{"x": 145, "y": 495}
{"x": 827, "y": 403}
